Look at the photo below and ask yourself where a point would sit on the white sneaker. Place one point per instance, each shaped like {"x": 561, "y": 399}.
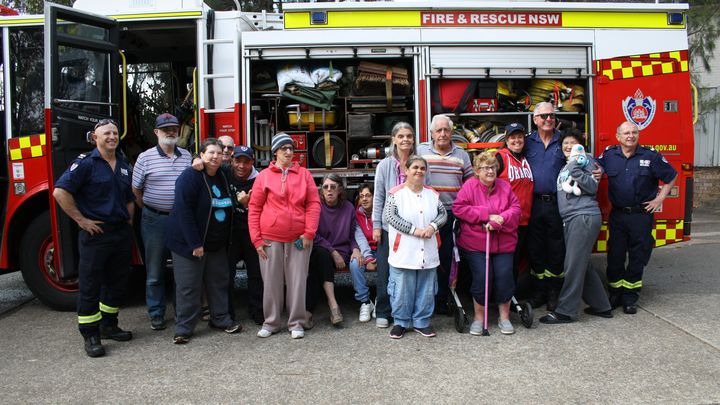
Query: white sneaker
{"x": 297, "y": 334}
{"x": 366, "y": 311}
{"x": 506, "y": 327}
{"x": 374, "y": 313}
{"x": 382, "y": 323}
{"x": 264, "y": 333}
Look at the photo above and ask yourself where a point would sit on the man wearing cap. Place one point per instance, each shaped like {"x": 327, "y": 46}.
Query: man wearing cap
{"x": 241, "y": 181}
{"x": 449, "y": 166}
{"x": 95, "y": 192}
{"x": 514, "y": 168}
{"x": 153, "y": 183}
{"x": 228, "y": 147}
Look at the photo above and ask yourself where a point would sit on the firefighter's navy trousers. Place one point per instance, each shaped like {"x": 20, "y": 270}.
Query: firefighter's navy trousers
{"x": 630, "y": 242}
{"x": 103, "y": 270}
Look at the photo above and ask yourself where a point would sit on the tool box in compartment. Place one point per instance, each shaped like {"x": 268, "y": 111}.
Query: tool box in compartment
{"x": 304, "y": 116}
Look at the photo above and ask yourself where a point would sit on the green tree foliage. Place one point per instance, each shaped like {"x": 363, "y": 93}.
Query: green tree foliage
{"x": 703, "y": 30}
{"x": 31, "y": 6}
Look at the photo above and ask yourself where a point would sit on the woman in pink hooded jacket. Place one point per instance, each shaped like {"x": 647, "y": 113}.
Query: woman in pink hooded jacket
{"x": 486, "y": 206}
{"x": 283, "y": 218}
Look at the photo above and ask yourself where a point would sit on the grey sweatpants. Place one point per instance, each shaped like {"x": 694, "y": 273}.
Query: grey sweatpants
{"x": 287, "y": 266}
{"x": 189, "y": 275}
{"x": 581, "y": 280}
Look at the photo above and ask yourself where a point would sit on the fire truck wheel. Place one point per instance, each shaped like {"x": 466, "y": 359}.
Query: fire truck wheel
{"x": 38, "y": 270}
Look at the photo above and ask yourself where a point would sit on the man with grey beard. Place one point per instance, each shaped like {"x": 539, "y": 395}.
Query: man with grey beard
{"x": 153, "y": 184}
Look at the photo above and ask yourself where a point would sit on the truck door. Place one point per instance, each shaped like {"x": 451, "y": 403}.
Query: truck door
{"x": 82, "y": 84}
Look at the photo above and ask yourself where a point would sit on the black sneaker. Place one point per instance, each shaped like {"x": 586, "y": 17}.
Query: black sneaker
{"x": 232, "y": 328}
{"x": 630, "y": 309}
{"x": 397, "y": 332}
{"x": 181, "y": 339}
{"x": 427, "y": 332}
{"x": 157, "y": 323}
{"x": 115, "y": 333}
{"x": 93, "y": 346}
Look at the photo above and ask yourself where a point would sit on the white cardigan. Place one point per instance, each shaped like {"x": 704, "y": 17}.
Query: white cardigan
{"x": 405, "y": 211}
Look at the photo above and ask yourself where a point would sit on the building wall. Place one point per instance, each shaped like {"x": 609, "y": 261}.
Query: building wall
{"x": 707, "y": 187}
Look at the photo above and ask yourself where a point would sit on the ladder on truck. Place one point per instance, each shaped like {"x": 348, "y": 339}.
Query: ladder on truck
{"x": 225, "y": 30}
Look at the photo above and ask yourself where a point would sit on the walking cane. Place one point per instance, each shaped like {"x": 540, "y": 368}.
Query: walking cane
{"x": 487, "y": 278}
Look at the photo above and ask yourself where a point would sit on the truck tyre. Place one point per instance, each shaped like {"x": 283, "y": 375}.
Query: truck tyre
{"x": 36, "y": 263}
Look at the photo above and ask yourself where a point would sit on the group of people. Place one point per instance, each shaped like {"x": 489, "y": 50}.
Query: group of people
{"x": 534, "y": 196}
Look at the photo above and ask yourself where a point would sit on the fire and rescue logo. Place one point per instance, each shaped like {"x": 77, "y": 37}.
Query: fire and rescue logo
{"x": 639, "y": 109}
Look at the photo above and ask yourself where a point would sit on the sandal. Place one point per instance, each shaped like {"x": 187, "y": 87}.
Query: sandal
{"x": 335, "y": 316}
{"x": 554, "y": 317}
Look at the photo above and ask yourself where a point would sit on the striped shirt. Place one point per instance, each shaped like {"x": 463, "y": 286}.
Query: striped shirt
{"x": 448, "y": 171}
{"x": 155, "y": 173}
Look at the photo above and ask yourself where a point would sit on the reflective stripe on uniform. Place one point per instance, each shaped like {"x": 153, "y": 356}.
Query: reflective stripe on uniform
{"x": 108, "y": 309}
{"x": 546, "y": 274}
{"x": 85, "y": 319}
{"x": 626, "y": 284}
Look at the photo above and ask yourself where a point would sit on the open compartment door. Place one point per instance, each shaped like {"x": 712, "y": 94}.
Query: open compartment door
{"x": 82, "y": 83}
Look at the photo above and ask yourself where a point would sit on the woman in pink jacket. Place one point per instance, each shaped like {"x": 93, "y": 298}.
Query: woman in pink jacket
{"x": 283, "y": 217}
{"x": 487, "y": 206}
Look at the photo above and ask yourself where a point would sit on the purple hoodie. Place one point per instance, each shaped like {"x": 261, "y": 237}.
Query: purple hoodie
{"x": 336, "y": 230}
{"x": 474, "y": 205}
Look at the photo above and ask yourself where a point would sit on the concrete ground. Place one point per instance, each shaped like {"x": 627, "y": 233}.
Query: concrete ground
{"x": 668, "y": 353}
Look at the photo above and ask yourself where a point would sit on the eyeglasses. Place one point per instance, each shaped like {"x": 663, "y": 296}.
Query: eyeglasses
{"x": 366, "y": 195}
{"x": 486, "y": 168}
{"x": 286, "y": 148}
{"x": 104, "y": 122}
{"x": 226, "y": 147}
{"x": 329, "y": 186}
{"x": 546, "y": 116}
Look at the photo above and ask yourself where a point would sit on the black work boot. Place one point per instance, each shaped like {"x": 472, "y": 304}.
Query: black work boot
{"x": 93, "y": 346}
{"x": 552, "y": 299}
{"x": 115, "y": 333}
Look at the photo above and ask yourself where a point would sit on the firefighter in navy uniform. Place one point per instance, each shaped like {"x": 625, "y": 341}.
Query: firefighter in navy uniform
{"x": 633, "y": 172}
{"x": 95, "y": 192}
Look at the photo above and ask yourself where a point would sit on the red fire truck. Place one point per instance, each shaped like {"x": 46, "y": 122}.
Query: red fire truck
{"x": 600, "y": 63}
{"x": 64, "y": 71}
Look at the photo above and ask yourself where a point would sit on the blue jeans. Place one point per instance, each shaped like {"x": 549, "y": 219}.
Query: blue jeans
{"x": 501, "y": 284}
{"x": 362, "y": 292}
{"x": 152, "y": 229}
{"x": 412, "y": 296}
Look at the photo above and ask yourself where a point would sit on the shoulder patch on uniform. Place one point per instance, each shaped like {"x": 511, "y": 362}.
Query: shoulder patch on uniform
{"x": 663, "y": 159}
{"x": 73, "y": 166}
{"x": 82, "y": 156}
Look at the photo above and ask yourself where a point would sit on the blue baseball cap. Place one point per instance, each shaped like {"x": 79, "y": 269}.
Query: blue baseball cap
{"x": 514, "y": 127}
{"x": 244, "y": 151}
{"x": 166, "y": 120}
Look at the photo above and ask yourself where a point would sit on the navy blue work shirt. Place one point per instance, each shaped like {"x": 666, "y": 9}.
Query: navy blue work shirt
{"x": 100, "y": 194}
{"x": 545, "y": 163}
{"x": 634, "y": 180}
